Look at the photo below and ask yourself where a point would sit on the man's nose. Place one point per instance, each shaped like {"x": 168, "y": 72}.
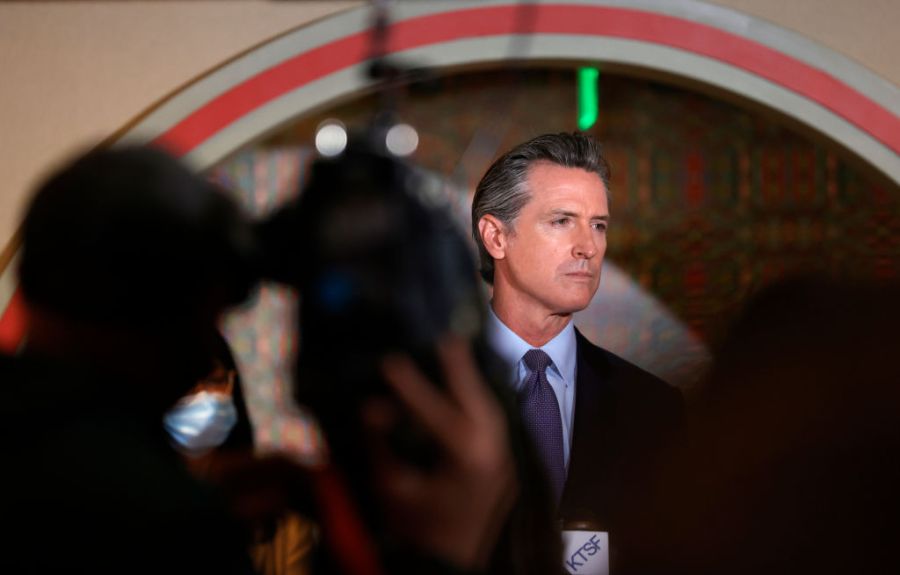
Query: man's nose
{"x": 585, "y": 245}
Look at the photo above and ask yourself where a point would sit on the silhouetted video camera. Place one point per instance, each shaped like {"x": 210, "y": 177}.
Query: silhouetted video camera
{"x": 381, "y": 267}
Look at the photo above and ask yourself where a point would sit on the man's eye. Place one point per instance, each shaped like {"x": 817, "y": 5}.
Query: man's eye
{"x": 560, "y": 221}
{"x": 600, "y": 226}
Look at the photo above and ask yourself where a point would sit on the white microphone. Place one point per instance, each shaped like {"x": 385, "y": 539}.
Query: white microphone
{"x": 585, "y": 548}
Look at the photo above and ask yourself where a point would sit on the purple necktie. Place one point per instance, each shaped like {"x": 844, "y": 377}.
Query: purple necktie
{"x": 540, "y": 412}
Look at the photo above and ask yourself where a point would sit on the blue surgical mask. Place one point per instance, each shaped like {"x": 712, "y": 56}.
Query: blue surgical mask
{"x": 201, "y": 421}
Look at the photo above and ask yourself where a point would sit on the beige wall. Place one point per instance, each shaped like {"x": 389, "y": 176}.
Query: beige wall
{"x": 863, "y": 30}
{"x": 76, "y": 72}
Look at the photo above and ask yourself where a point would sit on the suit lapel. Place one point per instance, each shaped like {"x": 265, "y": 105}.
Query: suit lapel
{"x": 586, "y": 490}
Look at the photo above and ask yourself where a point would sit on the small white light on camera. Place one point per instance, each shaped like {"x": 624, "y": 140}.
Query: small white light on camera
{"x": 402, "y": 140}
{"x": 331, "y": 138}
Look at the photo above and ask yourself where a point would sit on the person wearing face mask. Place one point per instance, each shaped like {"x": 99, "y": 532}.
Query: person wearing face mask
{"x": 213, "y": 414}
{"x": 211, "y": 424}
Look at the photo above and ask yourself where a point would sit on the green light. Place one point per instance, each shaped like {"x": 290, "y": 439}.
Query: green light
{"x": 588, "y": 97}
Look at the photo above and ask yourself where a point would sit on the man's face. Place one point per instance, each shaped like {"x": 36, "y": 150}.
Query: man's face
{"x": 554, "y": 250}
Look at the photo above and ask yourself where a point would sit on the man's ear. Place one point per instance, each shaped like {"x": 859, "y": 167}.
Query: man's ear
{"x": 493, "y": 236}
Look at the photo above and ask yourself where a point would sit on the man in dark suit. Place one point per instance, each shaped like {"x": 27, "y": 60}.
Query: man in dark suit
{"x": 539, "y": 218}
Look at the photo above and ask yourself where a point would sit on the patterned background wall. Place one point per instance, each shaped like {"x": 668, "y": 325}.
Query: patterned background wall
{"x": 710, "y": 201}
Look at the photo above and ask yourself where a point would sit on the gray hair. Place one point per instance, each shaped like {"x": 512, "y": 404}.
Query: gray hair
{"x": 503, "y": 190}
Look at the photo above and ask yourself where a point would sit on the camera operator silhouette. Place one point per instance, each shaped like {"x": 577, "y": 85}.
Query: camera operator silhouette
{"x": 128, "y": 259}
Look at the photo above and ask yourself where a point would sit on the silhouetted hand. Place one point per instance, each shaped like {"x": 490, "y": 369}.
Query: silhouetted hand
{"x": 455, "y": 510}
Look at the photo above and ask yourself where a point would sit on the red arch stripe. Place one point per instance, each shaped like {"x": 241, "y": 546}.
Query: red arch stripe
{"x": 693, "y": 37}
{"x": 12, "y": 324}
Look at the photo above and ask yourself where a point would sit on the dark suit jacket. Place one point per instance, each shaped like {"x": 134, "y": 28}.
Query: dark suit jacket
{"x": 624, "y": 417}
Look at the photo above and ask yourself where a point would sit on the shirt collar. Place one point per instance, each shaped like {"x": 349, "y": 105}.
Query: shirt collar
{"x": 510, "y": 347}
